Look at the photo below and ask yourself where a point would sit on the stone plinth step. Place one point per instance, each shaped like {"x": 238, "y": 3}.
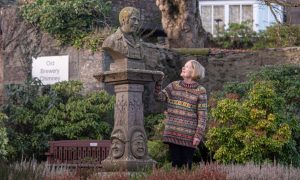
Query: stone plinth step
{"x": 129, "y": 76}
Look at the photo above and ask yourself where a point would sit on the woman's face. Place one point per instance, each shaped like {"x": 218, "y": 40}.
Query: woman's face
{"x": 187, "y": 71}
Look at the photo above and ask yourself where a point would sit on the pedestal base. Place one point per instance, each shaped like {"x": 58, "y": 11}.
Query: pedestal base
{"x": 127, "y": 165}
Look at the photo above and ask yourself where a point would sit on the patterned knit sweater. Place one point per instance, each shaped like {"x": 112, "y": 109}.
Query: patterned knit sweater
{"x": 186, "y": 112}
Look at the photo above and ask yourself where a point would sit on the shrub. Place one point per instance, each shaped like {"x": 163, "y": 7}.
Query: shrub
{"x": 242, "y": 36}
{"x": 158, "y": 151}
{"x": 70, "y": 20}
{"x": 261, "y": 122}
{"x": 238, "y": 35}
{"x": 279, "y": 36}
{"x": 38, "y": 114}
{"x": 154, "y": 126}
{"x": 76, "y": 116}
{"x": 21, "y": 111}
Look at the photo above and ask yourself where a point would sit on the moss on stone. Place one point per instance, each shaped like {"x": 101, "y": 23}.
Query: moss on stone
{"x": 193, "y": 51}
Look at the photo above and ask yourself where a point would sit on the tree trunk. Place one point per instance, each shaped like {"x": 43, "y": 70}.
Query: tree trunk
{"x": 181, "y": 21}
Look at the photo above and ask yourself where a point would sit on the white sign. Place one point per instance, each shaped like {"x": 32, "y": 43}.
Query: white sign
{"x": 51, "y": 69}
{"x": 93, "y": 144}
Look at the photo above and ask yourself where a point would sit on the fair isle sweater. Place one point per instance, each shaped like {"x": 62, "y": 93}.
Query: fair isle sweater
{"x": 186, "y": 112}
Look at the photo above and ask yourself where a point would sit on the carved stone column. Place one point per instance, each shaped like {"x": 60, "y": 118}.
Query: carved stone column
{"x": 129, "y": 141}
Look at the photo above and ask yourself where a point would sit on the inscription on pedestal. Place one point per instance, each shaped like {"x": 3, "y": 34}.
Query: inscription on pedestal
{"x": 135, "y": 111}
{"x": 121, "y": 107}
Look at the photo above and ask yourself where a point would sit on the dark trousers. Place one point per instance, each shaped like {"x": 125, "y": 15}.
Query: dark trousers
{"x": 181, "y": 156}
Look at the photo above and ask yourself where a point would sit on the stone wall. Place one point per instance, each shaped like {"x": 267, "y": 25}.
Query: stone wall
{"x": 293, "y": 13}
{"x": 233, "y": 66}
{"x": 221, "y": 66}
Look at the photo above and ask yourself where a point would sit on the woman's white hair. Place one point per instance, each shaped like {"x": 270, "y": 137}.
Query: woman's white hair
{"x": 198, "y": 70}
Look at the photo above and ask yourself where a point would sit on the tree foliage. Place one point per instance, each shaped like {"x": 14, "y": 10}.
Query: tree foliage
{"x": 38, "y": 114}
{"x": 70, "y": 21}
{"x": 262, "y": 124}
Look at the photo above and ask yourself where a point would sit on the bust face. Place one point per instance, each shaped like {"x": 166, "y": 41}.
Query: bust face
{"x": 138, "y": 145}
{"x": 132, "y": 24}
{"x": 117, "y": 148}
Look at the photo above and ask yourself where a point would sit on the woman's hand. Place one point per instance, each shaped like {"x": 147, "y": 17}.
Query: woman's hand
{"x": 196, "y": 141}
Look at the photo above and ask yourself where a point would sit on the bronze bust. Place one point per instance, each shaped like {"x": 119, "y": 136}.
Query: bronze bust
{"x": 124, "y": 39}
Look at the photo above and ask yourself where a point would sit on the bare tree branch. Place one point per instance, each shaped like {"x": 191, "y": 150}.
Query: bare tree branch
{"x": 272, "y": 9}
{"x": 285, "y": 3}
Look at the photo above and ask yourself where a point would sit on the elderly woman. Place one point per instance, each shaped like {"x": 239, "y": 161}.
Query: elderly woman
{"x": 186, "y": 113}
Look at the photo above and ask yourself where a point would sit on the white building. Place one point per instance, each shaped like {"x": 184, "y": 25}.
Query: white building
{"x": 236, "y": 11}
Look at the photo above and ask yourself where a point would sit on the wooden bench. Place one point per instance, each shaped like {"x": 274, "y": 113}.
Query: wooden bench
{"x": 78, "y": 153}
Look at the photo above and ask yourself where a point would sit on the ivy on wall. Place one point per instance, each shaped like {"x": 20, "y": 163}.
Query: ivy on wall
{"x": 79, "y": 23}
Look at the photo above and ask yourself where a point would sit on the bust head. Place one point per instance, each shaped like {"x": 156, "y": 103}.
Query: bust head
{"x": 129, "y": 18}
{"x": 117, "y": 144}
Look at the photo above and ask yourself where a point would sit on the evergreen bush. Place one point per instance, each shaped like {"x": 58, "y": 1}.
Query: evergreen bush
{"x": 277, "y": 36}
{"x": 258, "y": 120}
{"x": 38, "y": 114}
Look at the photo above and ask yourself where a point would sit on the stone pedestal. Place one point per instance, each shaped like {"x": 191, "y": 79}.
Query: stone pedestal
{"x": 129, "y": 148}
{"x": 129, "y": 141}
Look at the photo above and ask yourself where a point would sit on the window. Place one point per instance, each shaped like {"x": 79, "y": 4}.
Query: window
{"x": 240, "y": 13}
{"x": 234, "y": 14}
{"x": 218, "y": 19}
{"x": 206, "y": 17}
{"x": 216, "y": 16}
{"x": 247, "y": 13}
